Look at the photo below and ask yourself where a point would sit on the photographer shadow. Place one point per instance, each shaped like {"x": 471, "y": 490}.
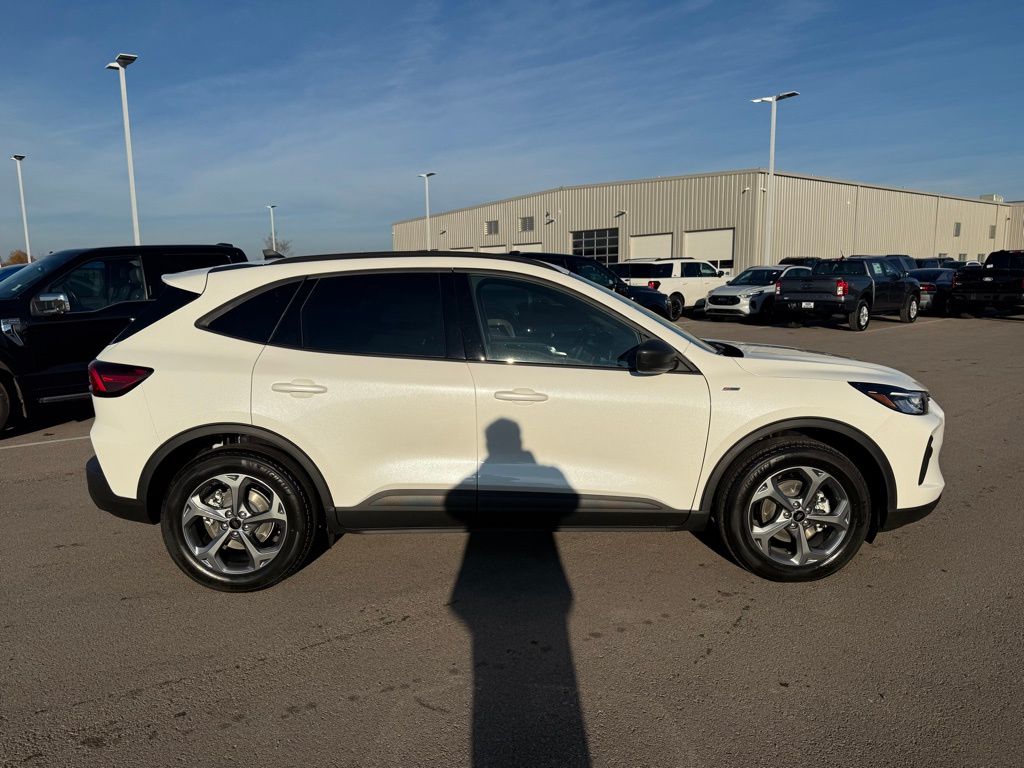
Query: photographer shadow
{"x": 513, "y": 595}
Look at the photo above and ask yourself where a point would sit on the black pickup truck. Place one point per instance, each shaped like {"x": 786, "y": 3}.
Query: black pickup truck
{"x": 58, "y": 313}
{"x": 999, "y": 283}
{"x": 855, "y": 288}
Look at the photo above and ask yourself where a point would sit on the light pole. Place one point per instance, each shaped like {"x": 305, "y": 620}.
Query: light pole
{"x": 273, "y": 232}
{"x": 24, "y": 216}
{"x": 120, "y": 64}
{"x": 769, "y": 194}
{"x": 426, "y": 191}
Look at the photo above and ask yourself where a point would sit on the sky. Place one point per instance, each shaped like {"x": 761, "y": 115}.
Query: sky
{"x": 330, "y": 109}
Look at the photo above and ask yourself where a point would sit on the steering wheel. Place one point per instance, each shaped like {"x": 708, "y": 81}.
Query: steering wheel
{"x": 589, "y": 346}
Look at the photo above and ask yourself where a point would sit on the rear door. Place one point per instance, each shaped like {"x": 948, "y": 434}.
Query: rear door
{"x": 104, "y": 293}
{"x": 363, "y": 375}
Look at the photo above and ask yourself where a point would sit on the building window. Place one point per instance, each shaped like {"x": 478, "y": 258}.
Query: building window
{"x": 963, "y": 257}
{"x": 956, "y": 229}
{"x": 600, "y": 244}
{"x": 526, "y": 224}
{"x": 491, "y": 227}
{"x": 991, "y": 231}
{"x": 943, "y": 255}
{"x": 982, "y": 257}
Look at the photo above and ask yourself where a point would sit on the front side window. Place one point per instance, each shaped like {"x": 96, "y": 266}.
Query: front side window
{"x": 526, "y": 322}
{"x": 594, "y": 272}
{"x": 890, "y": 270}
{"x": 397, "y": 314}
{"x": 102, "y": 283}
{"x": 706, "y": 270}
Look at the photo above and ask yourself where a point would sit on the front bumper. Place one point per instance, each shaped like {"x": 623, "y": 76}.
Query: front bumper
{"x": 108, "y": 501}
{"x": 897, "y": 518}
{"x": 743, "y": 308}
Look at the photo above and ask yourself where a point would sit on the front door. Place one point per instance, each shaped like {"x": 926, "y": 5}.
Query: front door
{"x": 362, "y": 376}
{"x": 568, "y": 434}
{"x": 104, "y": 295}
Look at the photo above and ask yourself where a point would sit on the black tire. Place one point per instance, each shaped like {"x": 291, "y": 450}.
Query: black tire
{"x": 859, "y": 318}
{"x": 766, "y": 314}
{"x": 754, "y": 467}
{"x": 296, "y": 541}
{"x": 910, "y": 309}
{"x": 5, "y": 405}
{"x": 676, "y": 305}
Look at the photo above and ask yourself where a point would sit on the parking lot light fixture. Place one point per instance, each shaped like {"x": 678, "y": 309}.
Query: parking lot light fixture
{"x": 273, "y": 230}
{"x": 120, "y": 64}
{"x": 426, "y": 192}
{"x": 769, "y": 195}
{"x": 24, "y": 216}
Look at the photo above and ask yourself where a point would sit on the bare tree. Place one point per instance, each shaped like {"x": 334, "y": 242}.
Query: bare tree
{"x": 284, "y": 247}
{"x": 17, "y": 256}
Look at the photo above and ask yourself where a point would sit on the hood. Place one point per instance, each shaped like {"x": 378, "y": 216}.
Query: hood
{"x": 738, "y": 290}
{"x": 790, "y": 363}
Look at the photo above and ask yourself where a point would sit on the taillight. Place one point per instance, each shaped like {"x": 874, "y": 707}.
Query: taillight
{"x": 778, "y": 287}
{"x": 114, "y": 379}
{"x": 957, "y": 281}
{"x": 655, "y": 284}
{"x": 927, "y": 288}
{"x": 842, "y": 287}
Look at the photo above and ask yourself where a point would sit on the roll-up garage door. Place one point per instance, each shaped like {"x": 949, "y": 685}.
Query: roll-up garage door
{"x": 650, "y": 246}
{"x": 712, "y": 245}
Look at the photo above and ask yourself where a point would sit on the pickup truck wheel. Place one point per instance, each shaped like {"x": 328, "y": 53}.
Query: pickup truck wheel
{"x": 860, "y": 317}
{"x": 5, "y": 406}
{"x": 908, "y": 312}
{"x": 796, "y": 510}
{"x": 676, "y": 304}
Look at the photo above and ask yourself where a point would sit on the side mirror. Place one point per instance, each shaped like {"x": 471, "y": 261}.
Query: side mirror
{"x": 50, "y": 304}
{"x": 654, "y": 356}
{"x": 721, "y": 273}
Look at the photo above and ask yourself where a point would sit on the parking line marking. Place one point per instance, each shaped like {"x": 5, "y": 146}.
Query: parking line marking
{"x": 42, "y": 442}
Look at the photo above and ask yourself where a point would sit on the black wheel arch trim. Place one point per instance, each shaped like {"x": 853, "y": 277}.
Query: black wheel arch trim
{"x": 276, "y": 442}
{"x": 830, "y": 425}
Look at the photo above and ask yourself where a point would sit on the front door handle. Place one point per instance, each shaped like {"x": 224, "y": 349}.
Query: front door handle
{"x": 298, "y": 387}
{"x": 520, "y": 395}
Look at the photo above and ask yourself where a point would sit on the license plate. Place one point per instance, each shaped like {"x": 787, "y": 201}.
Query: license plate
{"x": 806, "y": 305}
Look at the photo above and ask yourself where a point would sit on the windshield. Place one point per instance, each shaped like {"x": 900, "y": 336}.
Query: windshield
{"x": 663, "y": 322}
{"x": 757, "y": 277}
{"x": 844, "y": 267}
{"x": 13, "y": 286}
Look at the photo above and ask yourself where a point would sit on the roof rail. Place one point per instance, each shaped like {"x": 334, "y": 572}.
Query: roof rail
{"x": 522, "y": 259}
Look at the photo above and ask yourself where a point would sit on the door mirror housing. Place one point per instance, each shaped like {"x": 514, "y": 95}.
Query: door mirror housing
{"x": 655, "y": 356}
{"x": 721, "y": 273}
{"x": 50, "y": 304}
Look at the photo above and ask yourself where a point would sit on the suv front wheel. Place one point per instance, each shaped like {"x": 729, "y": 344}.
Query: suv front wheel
{"x": 237, "y": 521}
{"x": 797, "y": 510}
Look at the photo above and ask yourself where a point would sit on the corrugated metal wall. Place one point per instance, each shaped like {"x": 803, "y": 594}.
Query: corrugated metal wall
{"x": 813, "y": 217}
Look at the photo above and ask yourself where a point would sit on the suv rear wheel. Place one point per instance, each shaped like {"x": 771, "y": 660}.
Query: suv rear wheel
{"x": 797, "y": 510}
{"x": 5, "y": 405}
{"x": 237, "y": 521}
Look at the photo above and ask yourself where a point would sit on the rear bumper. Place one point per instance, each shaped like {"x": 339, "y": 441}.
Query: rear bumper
{"x": 105, "y": 499}
{"x": 897, "y": 518}
{"x": 821, "y": 307}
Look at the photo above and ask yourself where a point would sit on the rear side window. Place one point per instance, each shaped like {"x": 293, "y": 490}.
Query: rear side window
{"x": 647, "y": 271}
{"x": 387, "y": 314}
{"x": 255, "y": 317}
{"x": 171, "y": 300}
{"x": 1005, "y": 260}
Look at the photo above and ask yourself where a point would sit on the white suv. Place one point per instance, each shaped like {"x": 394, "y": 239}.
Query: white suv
{"x": 261, "y": 406}
{"x": 687, "y": 282}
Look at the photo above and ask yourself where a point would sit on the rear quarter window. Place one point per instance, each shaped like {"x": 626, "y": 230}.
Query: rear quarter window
{"x": 253, "y": 317}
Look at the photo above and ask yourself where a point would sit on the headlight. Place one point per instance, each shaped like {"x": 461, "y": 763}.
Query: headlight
{"x": 912, "y": 401}
{"x": 748, "y": 294}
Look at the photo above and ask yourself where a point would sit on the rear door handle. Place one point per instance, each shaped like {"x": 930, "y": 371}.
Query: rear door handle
{"x": 299, "y": 387}
{"x": 520, "y": 395}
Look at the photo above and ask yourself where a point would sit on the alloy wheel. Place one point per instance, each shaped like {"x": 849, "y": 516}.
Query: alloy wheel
{"x": 799, "y": 516}
{"x": 234, "y": 524}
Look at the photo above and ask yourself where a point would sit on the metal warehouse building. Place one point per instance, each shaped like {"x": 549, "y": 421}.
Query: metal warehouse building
{"x": 720, "y": 217}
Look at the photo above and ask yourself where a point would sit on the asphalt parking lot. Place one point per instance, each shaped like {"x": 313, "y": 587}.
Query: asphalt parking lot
{"x": 603, "y": 649}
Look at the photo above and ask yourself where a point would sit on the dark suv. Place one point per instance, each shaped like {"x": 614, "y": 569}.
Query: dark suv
{"x": 596, "y": 272}
{"x": 58, "y": 313}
